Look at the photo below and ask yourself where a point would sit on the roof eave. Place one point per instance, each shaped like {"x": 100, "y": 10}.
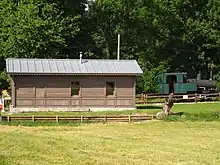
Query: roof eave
{"x": 75, "y": 74}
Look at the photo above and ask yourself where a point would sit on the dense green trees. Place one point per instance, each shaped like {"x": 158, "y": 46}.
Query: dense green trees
{"x": 178, "y": 35}
{"x": 37, "y": 28}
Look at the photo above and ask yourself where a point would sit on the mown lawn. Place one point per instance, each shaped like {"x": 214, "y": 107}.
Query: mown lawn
{"x": 153, "y": 142}
{"x": 193, "y": 112}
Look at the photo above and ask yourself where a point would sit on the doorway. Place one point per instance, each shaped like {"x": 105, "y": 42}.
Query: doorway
{"x": 171, "y": 80}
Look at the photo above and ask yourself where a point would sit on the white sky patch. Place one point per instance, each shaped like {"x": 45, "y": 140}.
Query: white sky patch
{"x": 87, "y": 6}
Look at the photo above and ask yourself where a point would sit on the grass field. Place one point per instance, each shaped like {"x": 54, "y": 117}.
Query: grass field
{"x": 193, "y": 141}
{"x": 150, "y": 109}
{"x": 154, "y": 143}
{"x": 193, "y": 112}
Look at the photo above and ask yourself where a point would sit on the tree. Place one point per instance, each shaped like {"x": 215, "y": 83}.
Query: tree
{"x": 35, "y": 29}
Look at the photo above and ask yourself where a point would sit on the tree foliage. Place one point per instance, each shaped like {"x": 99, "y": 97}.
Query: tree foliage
{"x": 35, "y": 29}
{"x": 178, "y": 35}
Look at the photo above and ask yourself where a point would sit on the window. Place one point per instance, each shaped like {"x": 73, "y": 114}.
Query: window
{"x": 184, "y": 79}
{"x": 75, "y": 88}
{"x": 110, "y": 88}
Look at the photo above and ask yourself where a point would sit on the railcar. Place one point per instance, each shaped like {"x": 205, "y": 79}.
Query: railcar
{"x": 178, "y": 83}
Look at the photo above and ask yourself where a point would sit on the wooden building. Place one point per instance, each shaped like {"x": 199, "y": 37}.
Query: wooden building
{"x": 72, "y": 84}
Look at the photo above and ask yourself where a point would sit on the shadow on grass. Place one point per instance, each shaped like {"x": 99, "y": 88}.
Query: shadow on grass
{"x": 148, "y": 107}
{"x": 4, "y": 160}
{"x": 45, "y": 123}
{"x": 205, "y": 117}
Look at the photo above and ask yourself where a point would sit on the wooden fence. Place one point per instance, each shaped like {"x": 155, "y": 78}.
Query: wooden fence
{"x": 150, "y": 99}
{"x": 116, "y": 118}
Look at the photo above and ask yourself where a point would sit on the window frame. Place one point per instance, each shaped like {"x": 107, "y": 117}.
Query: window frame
{"x": 71, "y": 88}
{"x": 106, "y": 89}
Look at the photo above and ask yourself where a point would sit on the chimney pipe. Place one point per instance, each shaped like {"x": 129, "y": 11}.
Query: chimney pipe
{"x": 118, "y": 51}
{"x": 80, "y": 56}
{"x": 199, "y": 76}
{"x": 210, "y": 75}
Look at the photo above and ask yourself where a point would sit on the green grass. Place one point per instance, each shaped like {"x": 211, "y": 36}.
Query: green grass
{"x": 151, "y": 100}
{"x": 192, "y": 112}
{"x": 145, "y": 109}
{"x": 198, "y": 112}
{"x": 153, "y": 142}
{"x": 204, "y": 108}
{"x": 191, "y": 141}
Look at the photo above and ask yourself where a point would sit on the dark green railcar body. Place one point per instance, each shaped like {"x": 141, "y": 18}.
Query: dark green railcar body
{"x": 175, "y": 82}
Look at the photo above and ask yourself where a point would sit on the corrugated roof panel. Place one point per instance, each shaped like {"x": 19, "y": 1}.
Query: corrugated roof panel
{"x": 120, "y": 67}
{"x": 96, "y": 67}
{"x": 65, "y": 66}
{"x": 31, "y": 66}
{"x": 103, "y": 66}
{"x": 89, "y": 67}
{"x": 138, "y": 68}
{"x": 76, "y": 66}
{"x": 110, "y": 67}
{"x": 72, "y": 66}
{"x": 68, "y": 66}
{"x": 16, "y": 66}
{"x": 116, "y": 67}
{"x": 39, "y": 66}
{"x": 61, "y": 66}
{"x": 82, "y": 68}
{"x": 46, "y": 66}
{"x": 23, "y": 64}
{"x": 53, "y": 66}
{"x": 9, "y": 66}
{"x": 126, "y": 68}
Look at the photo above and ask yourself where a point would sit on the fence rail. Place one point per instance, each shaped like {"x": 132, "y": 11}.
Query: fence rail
{"x": 116, "y": 118}
{"x": 150, "y": 99}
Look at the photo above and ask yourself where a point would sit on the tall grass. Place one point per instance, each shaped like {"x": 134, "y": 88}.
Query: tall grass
{"x": 153, "y": 142}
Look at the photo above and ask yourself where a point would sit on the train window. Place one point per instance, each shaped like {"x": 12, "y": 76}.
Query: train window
{"x": 184, "y": 79}
{"x": 171, "y": 79}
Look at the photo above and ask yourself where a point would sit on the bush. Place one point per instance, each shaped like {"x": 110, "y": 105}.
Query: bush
{"x": 4, "y": 81}
{"x": 147, "y": 83}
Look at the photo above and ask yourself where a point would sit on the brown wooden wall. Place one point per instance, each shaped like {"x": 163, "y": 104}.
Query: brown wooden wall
{"x": 55, "y": 91}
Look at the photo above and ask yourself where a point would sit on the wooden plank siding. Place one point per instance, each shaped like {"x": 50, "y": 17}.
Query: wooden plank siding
{"x": 55, "y": 91}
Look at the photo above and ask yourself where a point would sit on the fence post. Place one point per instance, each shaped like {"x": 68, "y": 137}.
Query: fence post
{"x": 142, "y": 98}
{"x": 33, "y": 118}
{"x": 195, "y": 97}
{"x": 129, "y": 118}
{"x": 219, "y": 96}
{"x": 8, "y": 118}
{"x": 57, "y": 118}
{"x": 81, "y": 119}
{"x": 146, "y": 99}
{"x": 105, "y": 118}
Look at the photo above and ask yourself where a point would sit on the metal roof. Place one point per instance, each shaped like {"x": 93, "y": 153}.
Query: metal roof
{"x": 173, "y": 73}
{"x": 72, "y": 66}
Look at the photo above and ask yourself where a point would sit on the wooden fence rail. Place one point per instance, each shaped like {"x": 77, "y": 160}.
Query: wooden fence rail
{"x": 119, "y": 118}
{"x": 149, "y": 99}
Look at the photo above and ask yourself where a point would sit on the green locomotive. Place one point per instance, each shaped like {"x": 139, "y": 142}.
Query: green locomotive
{"x": 180, "y": 84}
